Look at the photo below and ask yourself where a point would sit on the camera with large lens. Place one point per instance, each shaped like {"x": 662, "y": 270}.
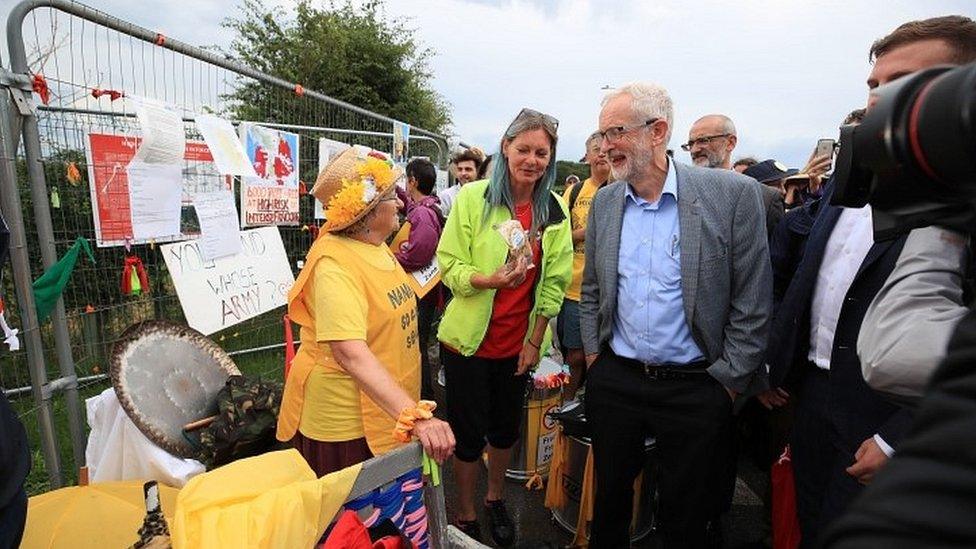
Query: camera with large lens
{"x": 913, "y": 157}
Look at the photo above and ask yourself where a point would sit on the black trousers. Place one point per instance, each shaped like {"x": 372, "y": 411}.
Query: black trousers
{"x": 688, "y": 417}
{"x": 820, "y": 457}
{"x": 426, "y": 313}
{"x": 484, "y": 402}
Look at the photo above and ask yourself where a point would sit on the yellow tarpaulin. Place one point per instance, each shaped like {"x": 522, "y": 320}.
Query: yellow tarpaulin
{"x": 269, "y": 501}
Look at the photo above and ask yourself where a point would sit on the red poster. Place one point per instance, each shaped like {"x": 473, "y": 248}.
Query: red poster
{"x": 108, "y": 156}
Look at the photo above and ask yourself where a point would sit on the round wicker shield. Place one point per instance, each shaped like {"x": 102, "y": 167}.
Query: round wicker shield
{"x": 167, "y": 375}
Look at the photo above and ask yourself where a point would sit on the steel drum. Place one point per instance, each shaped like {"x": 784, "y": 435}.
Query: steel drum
{"x": 167, "y": 375}
{"x": 573, "y": 420}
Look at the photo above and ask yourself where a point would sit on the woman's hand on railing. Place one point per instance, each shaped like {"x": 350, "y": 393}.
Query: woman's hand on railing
{"x": 436, "y": 437}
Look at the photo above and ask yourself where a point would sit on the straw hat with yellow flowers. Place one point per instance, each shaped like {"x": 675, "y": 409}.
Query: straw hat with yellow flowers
{"x": 353, "y": 184}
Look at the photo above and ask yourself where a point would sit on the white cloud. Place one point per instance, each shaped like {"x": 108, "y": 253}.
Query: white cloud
{"x": 786, "y": 72}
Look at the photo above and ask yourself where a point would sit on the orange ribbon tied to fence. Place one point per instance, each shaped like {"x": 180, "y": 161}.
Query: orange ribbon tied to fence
{"x": 134, "y": 277}
{"x": 113, "y": 94}
{"x": 39, "y": 83}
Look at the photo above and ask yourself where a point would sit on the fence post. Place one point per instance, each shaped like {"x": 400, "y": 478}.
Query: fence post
{"x": 49, "y": 256}
{"x": 20, "y": 263}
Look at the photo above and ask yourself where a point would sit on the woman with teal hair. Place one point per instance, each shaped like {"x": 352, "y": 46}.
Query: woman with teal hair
{"x": 506, "y": 254}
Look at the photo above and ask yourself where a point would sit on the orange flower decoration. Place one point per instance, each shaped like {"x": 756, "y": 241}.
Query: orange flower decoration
{"x": 375, "y": 177}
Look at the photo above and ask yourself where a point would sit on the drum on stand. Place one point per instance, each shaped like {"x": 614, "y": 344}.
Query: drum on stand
{"x": 576, "y": 438}
{"x": 532, "y": 452}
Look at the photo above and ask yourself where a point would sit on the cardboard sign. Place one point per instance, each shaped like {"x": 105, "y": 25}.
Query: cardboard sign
{"x": 263, "y": 205}
{"x": 220, "y": 293}
{"x": 271, "y": 198}
{"x": 422, "y": 280}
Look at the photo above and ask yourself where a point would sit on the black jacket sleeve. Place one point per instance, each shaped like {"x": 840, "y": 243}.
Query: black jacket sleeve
{"x": 926, "y": 495}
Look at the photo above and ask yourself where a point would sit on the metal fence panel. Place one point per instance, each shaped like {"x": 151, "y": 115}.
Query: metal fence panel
{"x": 85, "y": 56}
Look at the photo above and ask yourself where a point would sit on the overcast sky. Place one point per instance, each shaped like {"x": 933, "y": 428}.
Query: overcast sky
{"x": 786, "y": 72}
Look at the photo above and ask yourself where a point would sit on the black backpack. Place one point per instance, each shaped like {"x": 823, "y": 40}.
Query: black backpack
{"x": 573, "y": 195}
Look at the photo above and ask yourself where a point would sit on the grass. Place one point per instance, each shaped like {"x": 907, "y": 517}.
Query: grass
{"x": 264, "y": 363}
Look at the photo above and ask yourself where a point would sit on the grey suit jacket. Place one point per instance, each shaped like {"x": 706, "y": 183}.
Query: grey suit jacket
{"x": 906, "y": 330}
{"x": 726, "y": 279}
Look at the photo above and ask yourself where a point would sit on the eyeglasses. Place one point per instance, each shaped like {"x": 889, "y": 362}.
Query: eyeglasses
{"x": 550, "y": 121}
{"x": 616, "y": 132}
{"x": 704, "y": 140}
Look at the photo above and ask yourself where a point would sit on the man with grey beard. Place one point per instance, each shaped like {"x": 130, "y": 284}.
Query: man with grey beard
{"x": 711, "y": 140}
{"x": 674, "y": 310}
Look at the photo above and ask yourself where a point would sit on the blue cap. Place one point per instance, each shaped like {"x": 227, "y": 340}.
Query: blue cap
{"x": 768, "y": 171}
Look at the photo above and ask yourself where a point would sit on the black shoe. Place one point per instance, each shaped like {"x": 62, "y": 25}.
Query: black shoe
{"x": 500, "y": 523}
{"x": 470, "y": 528}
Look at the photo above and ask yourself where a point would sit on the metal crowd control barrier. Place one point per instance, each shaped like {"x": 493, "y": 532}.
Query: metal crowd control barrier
{"x": 382, "y": 470}
{"x": 78, "y": 61}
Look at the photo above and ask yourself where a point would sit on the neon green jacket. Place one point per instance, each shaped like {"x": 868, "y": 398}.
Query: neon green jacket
{"x": 470, "y": 244}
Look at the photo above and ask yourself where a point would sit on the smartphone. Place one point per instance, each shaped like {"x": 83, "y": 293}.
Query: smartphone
{"x": 825, "y": 147}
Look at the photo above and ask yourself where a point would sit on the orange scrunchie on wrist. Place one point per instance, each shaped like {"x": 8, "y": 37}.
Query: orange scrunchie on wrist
{"x": 407, "y": 418}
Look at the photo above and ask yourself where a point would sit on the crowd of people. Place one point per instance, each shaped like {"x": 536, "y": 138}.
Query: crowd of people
{"x": 682, "y": 294}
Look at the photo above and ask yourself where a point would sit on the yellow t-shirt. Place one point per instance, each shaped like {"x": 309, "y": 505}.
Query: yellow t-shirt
{"x": 577, "y": 217}
{"x": 358, "y": 292}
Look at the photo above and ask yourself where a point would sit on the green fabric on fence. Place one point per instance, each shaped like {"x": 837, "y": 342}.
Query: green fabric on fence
{"x": 48, "y": 288}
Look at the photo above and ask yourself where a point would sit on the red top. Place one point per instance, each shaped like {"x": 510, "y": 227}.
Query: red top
{"x": 510, "y": 310}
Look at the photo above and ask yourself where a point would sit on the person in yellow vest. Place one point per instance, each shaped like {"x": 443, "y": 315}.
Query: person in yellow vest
{"x": 353, "y": 388}
{"x": 505, "y": 291}
{"x": 578, "y": 198}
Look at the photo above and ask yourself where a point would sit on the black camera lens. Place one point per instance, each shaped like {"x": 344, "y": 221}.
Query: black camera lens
{"x": 941, "y": 129}
{"x": 913, "y": 158}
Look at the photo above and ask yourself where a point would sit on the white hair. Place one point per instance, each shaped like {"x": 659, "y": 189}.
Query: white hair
{"x": 649, "y": 101}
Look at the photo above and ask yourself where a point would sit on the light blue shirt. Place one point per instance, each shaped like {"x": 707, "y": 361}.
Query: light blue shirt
{"x": 649, "y": 324}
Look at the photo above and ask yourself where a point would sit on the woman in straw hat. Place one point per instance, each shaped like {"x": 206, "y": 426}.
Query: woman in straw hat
{"x": 506, "y": 253}
{"x": 353, "y": 388}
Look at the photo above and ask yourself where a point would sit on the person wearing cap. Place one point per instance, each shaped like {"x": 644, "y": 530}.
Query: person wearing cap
{"x": 771, "y": 173}
{"x": 795, "y": 186}
{"x": 505, "y": 291}
{"x": 353, "y": 387}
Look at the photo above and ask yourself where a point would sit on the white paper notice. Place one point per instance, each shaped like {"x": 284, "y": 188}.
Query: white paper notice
{"x": 155, "y": 199}
{"x": 163, "y": 138}
{"x": 219, "y": 230}
{"x": 226, "y": 147}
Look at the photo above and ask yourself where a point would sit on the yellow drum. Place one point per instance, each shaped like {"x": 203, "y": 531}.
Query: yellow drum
{"x": 532, "y": 453}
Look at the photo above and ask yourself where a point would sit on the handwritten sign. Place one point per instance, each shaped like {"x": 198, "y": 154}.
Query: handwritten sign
{"x": 262, "y": 205}
{"x": 219, "y": 293}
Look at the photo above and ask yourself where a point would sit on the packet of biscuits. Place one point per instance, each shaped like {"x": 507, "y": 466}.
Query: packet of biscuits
{"x": 517, "y": 239}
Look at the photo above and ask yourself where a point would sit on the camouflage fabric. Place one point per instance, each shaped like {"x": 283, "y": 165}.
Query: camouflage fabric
{"x": 245, "y": 426}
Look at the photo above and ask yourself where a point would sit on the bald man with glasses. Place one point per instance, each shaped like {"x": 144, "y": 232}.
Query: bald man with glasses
{"x": 711, "y": 140}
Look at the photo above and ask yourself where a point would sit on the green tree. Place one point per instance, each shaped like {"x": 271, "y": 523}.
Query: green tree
{"x": 566, "y": 167}
{"x": 355, "y": 54}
